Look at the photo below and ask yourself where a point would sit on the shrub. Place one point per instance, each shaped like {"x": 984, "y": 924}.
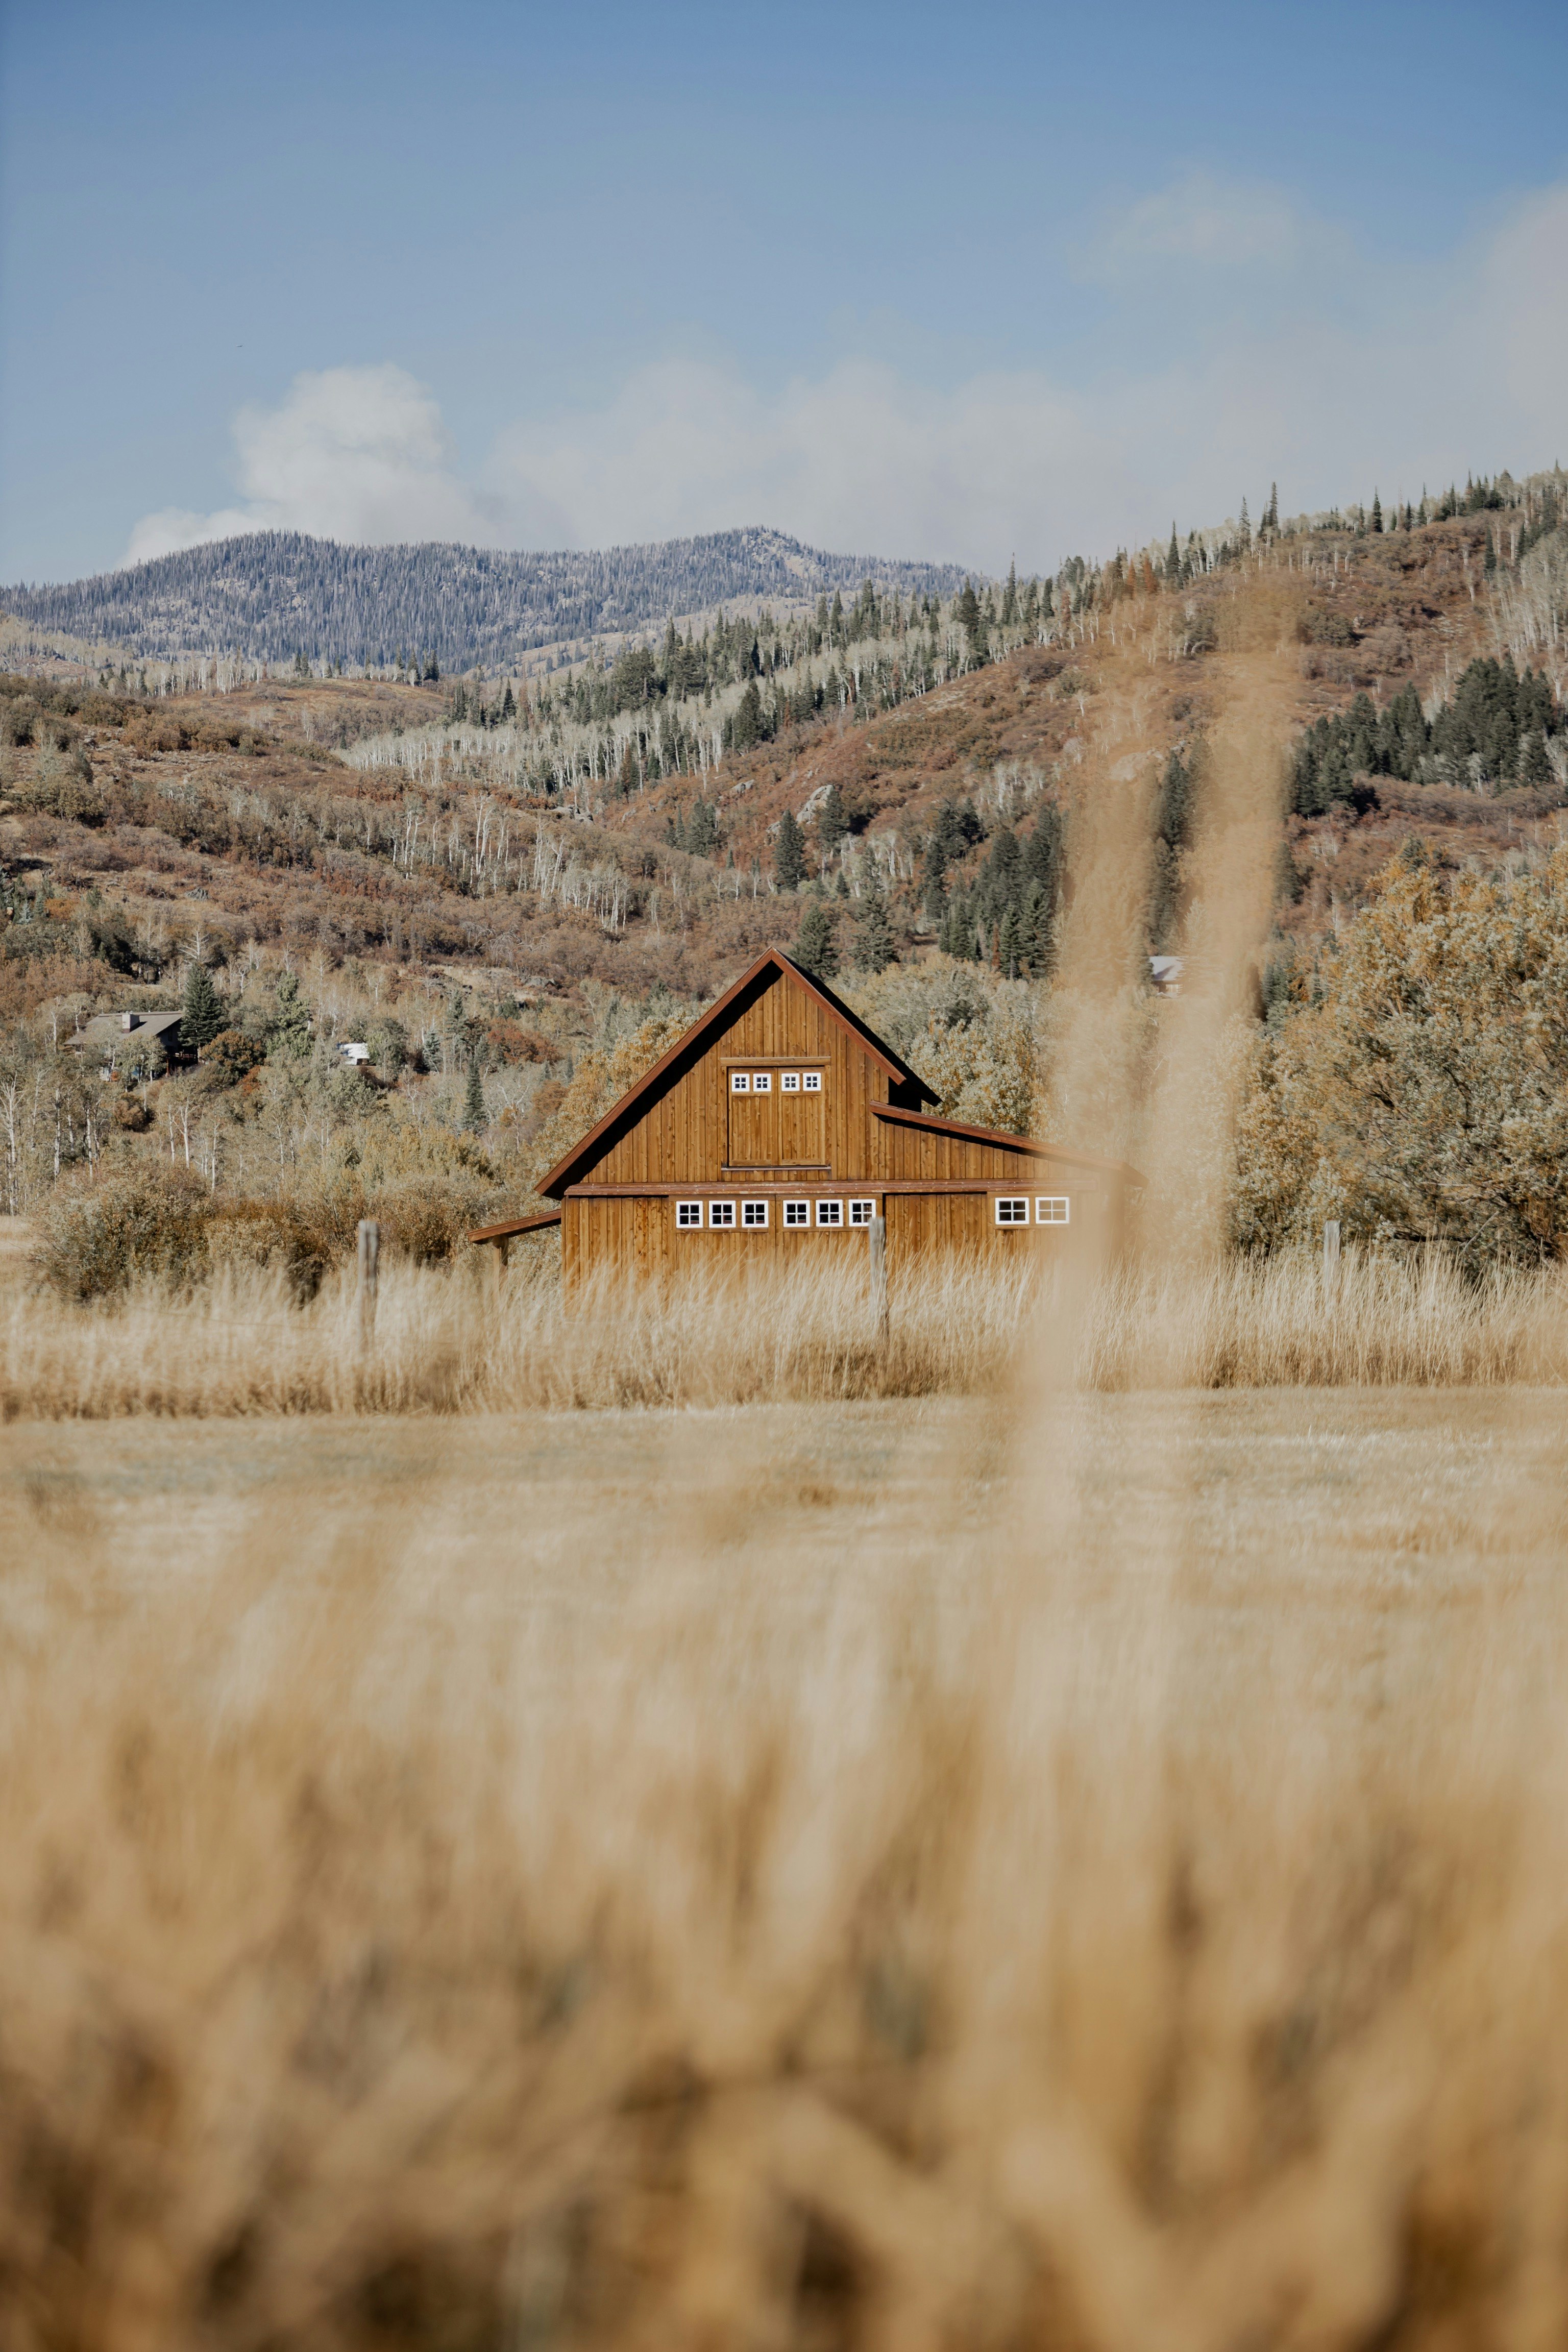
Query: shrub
{"x": 231, "y": 1056}
{"x": 145, "y": 1224}
{"x": 279, "y": 1236}
{"x": 1421, "y": 1099}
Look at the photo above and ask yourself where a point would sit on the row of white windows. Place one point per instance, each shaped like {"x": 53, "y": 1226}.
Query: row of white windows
{"x": 761, "y": 1082}
{"x": 753, "y": 1215}
{"x": 1011, "y": 1210}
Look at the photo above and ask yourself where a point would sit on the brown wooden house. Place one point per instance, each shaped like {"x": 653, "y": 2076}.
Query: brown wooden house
{"x": 780, "y": 1123}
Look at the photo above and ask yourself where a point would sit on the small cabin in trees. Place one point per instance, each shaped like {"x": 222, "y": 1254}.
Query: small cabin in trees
{"x": 780, "y": 1123}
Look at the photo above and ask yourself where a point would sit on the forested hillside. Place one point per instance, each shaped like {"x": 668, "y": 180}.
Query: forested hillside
{"x": 274, "y": 595}
{"x": 514, "y": 887}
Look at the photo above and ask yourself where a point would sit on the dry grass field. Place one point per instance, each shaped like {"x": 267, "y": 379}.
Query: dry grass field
{"x": 448, "y": 1342}
{"x": 1035, "y": 1869}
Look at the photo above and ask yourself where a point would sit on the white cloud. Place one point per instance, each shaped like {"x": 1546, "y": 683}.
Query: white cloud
{"x": 1205, "y": 222}
{"x": 357, "y": 453}
{"x": 1367, "y": 373}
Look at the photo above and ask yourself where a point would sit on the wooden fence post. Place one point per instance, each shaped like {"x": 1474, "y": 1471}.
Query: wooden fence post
{"x": 876, "y": 1244}
{"x": 1330, "y": 1257}
{"x": 369, "y": 1261}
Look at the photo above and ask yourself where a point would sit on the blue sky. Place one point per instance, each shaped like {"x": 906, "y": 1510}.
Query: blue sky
{"x": 911, "y": 279}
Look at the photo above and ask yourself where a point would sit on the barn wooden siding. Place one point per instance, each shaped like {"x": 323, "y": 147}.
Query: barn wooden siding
{"x": 683, "y": 1134}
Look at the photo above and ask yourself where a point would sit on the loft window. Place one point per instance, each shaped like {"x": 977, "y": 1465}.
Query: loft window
{"x": 862, "y": 1212}
{"x": 830, "y": 1212}
{"x": 763, "y": 1082}
{"x": 740, "y": 1082}
{"x": 720, "y": 1215}
{"x": 687, "y": 1214}
{"x": 1052, "y": 1212}
{"x": 753, "y": 1213}
{"x": 797, "y": 1212}
{"x": 811, "y": 1082}
{"x": 789, "y": 1084}
{"x": 1011, "y": 1211}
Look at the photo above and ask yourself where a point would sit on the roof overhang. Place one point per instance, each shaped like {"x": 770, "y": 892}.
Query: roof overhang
{"x": 511, "y": 1226}
{"x": 1063, "y": 1154}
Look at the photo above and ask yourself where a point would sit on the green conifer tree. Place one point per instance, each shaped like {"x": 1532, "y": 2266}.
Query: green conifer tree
{"x": 874, "y": 949}
{"x": 290, "y": 1028}
{"x": 474, "y": 1116}
{"x": 1534, "y": 766}
{"x": 815, "y": 944}
{"x": 202, "y": 1016}
{"x": 832, "y": 821}
{"x": 789, "y": 853}
{"x": 1376, "y": 512}
{"x": 1008, "y": 943}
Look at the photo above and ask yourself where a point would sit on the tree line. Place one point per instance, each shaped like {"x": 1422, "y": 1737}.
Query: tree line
{"x": 1493, "y": 731}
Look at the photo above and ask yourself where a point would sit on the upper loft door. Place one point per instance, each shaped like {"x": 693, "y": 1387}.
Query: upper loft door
{"x": 778, "y": 1116}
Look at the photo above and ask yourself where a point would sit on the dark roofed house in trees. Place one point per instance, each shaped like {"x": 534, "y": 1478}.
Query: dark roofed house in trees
{"x": 781, "y": 1122}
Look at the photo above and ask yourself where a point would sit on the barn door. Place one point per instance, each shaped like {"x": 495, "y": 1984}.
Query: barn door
{"x": 776, "y": 1118}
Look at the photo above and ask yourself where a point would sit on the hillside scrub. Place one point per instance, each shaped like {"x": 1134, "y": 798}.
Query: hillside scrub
{"x": 1418, "y": 1091}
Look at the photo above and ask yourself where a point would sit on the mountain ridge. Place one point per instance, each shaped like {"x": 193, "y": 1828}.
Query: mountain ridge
{"x": 269, "y": 595}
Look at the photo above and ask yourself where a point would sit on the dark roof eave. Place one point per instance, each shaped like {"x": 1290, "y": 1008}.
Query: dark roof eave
{"x": 1024, "y": 1143}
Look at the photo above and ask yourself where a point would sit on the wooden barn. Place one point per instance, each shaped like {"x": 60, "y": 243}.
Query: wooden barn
{"x": 780, "y": 1123}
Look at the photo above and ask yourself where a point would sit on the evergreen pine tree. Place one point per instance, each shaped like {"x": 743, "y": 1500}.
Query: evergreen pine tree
{"x": 202, "y": 1016}
{"x": 874, "y": 948}
{"x": 933, "y": 893}
{"x": 474, "y": 1114}
{"x": 1036, "y": 931}
{"x": 1271, "y": 517}
{"x": 832, "y": 824}
{"x": 1376, "y": 512}
{"x": 1534, "y": 767}
{"x": 1246, "y": 534}
{"x": 816, "y": 946}
{"x": 1174, "y": 558}
{"x": 789, "y": 854}
{"x": 1008, "y": 945}
{"x": 290, "y": 1028}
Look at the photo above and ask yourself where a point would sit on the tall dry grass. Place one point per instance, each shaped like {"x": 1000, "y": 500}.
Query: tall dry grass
{"x": 774, "y": 1911}
{"x": 448, "y": 1343}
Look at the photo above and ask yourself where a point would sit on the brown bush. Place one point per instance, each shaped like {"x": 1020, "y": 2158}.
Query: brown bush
{"x": 148, "y": 1224}
{"x": 277, "y": 1237}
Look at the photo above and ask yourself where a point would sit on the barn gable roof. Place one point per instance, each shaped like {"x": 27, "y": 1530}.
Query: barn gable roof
{"x": 692, "y": 1044}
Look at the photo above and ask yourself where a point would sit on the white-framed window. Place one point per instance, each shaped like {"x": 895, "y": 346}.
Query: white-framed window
{"x": 1012, "y": 1209}
{"x": 687, "y": 1215}
{"x": 830, "y": 1212}
{"x": 862, "y": 1212}
{"x": 1052, "y": 1210}
{"x": 740, "y": 1082}
{"x": 761, "y": 1082}
{"x": 811, "y": 1082}
{"x": 797, "y": 1212}
{"x": 753, "y": 1213}
{"x": 720, "y": 1215}
{"x": 789, "y": 1082}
